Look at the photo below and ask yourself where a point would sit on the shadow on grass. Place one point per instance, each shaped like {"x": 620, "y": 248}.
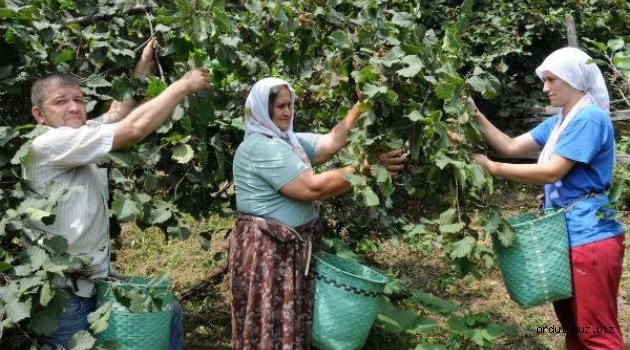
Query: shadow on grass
{"x": 207, "y": 321}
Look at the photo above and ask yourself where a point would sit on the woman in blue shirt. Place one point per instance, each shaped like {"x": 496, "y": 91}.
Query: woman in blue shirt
{"x": 575, "y": 165}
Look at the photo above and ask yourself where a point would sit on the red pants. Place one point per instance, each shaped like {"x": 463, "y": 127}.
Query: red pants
{"x": 589, "y": 318}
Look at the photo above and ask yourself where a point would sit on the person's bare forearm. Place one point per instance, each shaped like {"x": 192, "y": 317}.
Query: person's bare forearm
{"x": 496, "y": 138}
{"x": 120, "y": 109}
{"x": 149, "y": 116}
{"x": 334, "y": 183}
{"x": 308, "y": 186}
{"x": 337, "y": 138}
{"x": 555, "y": 169}
{"x": 340, "y": 131}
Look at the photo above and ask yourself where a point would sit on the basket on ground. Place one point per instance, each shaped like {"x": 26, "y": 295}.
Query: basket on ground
{"x": 141, "y": 330}
{"x": 536, "y": 266}
{"x": 347, "y": 295}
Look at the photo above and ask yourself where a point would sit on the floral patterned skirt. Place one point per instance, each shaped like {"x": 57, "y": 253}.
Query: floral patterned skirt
{"x": 272, "y": 296}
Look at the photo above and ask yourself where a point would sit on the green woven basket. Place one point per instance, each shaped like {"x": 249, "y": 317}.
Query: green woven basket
{"x": 346, "y": 301}
{"x": 136, "y": 331}
{"x": 536, "y": 266}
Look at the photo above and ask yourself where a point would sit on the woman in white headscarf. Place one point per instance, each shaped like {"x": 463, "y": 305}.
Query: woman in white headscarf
{"x": 277, "y": 194}
{"x": 575, "y": 165}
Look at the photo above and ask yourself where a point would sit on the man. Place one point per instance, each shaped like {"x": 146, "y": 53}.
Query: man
{"x": 66, "y": 156}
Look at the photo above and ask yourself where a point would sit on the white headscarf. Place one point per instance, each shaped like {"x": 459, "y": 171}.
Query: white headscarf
{"x": 572, "y": 66}
{"x": 258, "y": 120}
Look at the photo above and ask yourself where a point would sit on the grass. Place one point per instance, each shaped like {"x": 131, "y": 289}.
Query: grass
{"x": 207, "y": 311}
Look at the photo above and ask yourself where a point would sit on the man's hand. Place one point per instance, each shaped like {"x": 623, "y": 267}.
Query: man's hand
{"x": 147, "y": 60}
{"x": 196, "y": 80}
{"x": 394, "y": 161}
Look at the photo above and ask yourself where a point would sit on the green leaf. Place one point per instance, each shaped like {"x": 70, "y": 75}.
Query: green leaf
{"x": 64, "y": 56}
{"x": 393, "y": 56}
{"x": 45, "y": 294}
{"x": 96, "y": 81}
{"x": 156, "y": 86}
{"x": 492, "y": 221}
{"x": 121, "y": 89}
{"x": 366, "y": 74}
{"x": 58, "y": 244}
{"x": 486, "y": 84}
{"x": 230, "y": 41}
{"x": 16, "y": 310}
{"x": 160, "y": 213}
{"x": 56, "y": 265}
{"x": 477, "y": 176}
{"x": 452, "y": 41}
{"x": 622, "y": 62}
{"x": 371, "y": 90}
{"x": 40, "y": 215}
{"x": 340, "y": 39}
{"x": 442, "y": 160}
{"x": 396, "y": 321}
{"x": 477, "y": 83}
{"x": 380, "y": 173}
{"x": 22, "y": 154}
{"x": 403, "y": 19}
{"x": 414, "y": 65}
{"x": 448, "y": 84}
{"x": 6, "y": 13}
{"x": 137, "y": 301}
{"x": 615, "y": 44}
{"x": 183, "y": 153}
{"x": 125, "y": 208}
{"x": 99, "y": 319}
{"x": 414, "y": 116}
{"x": 448, "y": 217}
{"x": 36, "y": 256}
{"x": 369, "y": 197}
{"x": 506, "y": 234}
{"x": 222, "y": 20}
{"x": 150, "y": 183}
{"x": 433, "y": 303}
{"x": 126, "y": 159}
{"x": 451, "y": 228}
{"x": 82, "y": 340}
{"x": 462, "y": 248}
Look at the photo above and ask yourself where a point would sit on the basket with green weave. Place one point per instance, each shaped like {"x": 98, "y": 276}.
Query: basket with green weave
{"x": 138, "y": 326}
{"x": 535, "y": 267}
{"x": 347, "y": 295}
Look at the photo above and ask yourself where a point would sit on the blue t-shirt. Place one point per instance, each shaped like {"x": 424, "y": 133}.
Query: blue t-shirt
{"x": 589, "y": 140}
{"x": 262, "y": 165}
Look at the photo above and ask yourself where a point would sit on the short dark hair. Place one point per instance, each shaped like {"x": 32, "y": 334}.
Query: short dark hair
{"x": 273, "y": 93}
{"x": 38, "y": 90}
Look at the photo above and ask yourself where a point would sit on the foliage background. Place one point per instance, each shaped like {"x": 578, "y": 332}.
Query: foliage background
{"x": 414, "y": 61}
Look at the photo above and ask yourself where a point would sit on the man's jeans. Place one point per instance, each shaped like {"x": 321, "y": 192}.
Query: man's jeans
{"x": 75, "y": 317}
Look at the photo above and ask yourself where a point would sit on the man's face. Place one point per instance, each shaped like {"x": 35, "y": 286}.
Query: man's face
{"x": 62, "y": 106}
